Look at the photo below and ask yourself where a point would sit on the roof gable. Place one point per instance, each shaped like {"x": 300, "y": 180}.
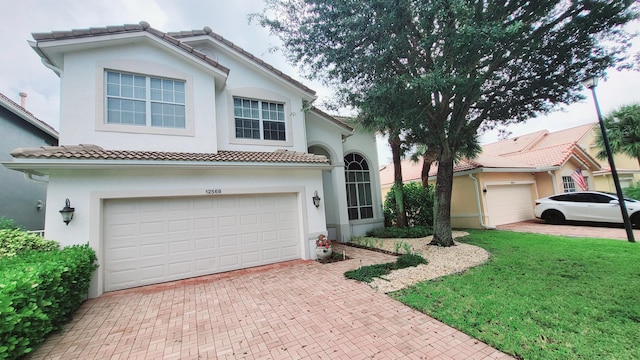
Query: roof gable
{"x": 207, "y": 33}
{"x": 49, "y": 39}
{"x": 27, "y": 116}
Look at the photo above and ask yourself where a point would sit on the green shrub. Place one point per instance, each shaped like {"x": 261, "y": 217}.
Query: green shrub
{"x": 368, "y": 273}
{"x": 8, "y": 224}
{"x": 633, "y": 191}
{"x": 39, "y": 292}
{"x": 15, "y": 241}
{"x": 409, "y": 260}
{"x": 394, "y": 232}
{"x": 418, "y": 204}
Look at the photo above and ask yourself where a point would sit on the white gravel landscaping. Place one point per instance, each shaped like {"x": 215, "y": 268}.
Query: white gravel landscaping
{"x": 442, "y": 261}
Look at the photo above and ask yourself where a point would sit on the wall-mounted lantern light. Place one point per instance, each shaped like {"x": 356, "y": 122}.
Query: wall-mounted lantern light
{"x": 39, "y": 205}
{"x": 67, "y": 212}
{"x": 316, "y": 199}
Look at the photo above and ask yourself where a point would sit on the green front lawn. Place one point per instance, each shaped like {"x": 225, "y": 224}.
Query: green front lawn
{"x": 543, "y": 297}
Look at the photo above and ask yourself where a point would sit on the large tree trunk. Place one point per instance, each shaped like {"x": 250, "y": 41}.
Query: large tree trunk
{"x": 427, "y": 159}
{"x": 444, "y": 184}
{"x": 395, "y": 144}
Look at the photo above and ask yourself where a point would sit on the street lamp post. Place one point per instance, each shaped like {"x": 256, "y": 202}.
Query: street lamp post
{"x": 591, "y": 84}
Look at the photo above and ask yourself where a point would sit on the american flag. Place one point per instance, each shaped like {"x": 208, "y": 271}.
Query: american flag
{"x": 579, "y": 179}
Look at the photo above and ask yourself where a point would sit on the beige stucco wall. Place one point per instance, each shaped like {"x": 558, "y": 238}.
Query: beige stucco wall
{"x": 464, "y": 211}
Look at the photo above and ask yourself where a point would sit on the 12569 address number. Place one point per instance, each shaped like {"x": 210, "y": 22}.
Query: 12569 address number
{"x": 213, "y": 191}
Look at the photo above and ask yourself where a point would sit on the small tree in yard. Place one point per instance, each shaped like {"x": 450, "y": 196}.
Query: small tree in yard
{"x": 454, "y": 66}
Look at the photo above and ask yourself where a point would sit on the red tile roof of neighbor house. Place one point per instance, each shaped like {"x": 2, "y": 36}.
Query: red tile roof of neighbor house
{"x": 173, "y": 39}
{"x": 27, "y": 115}
{"x": 536, "y": 150}
{"x": 94, "y": 152}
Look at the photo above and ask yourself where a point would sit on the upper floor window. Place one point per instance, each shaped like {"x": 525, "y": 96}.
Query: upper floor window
{"x": 145, "y": 101}
{"x": 358, "y": 180}
{"x": 259, "y": 120}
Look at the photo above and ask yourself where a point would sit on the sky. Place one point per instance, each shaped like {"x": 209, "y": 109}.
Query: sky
{"x": 22, "y": 71}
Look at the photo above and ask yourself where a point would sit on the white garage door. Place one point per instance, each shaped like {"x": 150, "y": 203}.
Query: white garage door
{"x": 509, "y": 203}
{"x": 149, "y": 241}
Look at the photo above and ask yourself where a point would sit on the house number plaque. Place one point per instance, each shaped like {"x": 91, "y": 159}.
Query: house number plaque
{"x": 213, "y": 191}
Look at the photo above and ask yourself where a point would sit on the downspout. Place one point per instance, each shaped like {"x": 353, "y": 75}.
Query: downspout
{"x": 480, "y": 215}
{"x": 553, "y": 181}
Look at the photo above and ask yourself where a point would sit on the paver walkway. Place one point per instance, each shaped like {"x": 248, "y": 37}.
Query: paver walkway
{"x": 293, "y": 310}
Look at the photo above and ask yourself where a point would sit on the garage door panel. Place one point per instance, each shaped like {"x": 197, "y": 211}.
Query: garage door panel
{"x": 150, "y": 274}
{"x": 151, "y": 228}
{"x": 247, "y": 220}
{"x": 180, "y": 247}
{"x": 227, "y": 221}
{"x": 205, "y": 243}
{"x": 230, "y": 261}
{"x": 151, "y": 206}
{"x": 230, "y": 241}
{"x": 155, "y": 240}
{"x": 509, "y": 203}
{"x": 180, "y": 268}
{"x": 179, "y": 225}
{"x": 204, "y": 266}
{"x": 208, "y": 223}
{"x": 289, "y": 252}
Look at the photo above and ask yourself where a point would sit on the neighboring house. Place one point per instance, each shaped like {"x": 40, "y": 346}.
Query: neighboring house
{"x": 500, "y": 186}
{"x": 185, "y": 155}
{"x": 22, "y": 199}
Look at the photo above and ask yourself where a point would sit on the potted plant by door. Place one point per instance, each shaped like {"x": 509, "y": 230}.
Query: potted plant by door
{"x": 323, "y": 247}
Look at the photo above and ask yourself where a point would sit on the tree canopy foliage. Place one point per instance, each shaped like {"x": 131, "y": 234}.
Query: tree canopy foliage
{"x": 451, "y": 67}
{"x": 623, "y": 131}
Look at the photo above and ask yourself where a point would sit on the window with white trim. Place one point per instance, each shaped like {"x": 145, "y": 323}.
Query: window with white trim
{"x": 568, "y": 185}
{"x": 140, "y": 100}
{"x": 259, "y": 120}
{"x": 358, "y": 181}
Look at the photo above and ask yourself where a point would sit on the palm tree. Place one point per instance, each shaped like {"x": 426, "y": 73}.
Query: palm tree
{"x": 623, "y": 132}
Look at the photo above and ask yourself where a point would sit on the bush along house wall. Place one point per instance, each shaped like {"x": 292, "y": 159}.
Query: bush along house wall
{"x": 39, "y": 292}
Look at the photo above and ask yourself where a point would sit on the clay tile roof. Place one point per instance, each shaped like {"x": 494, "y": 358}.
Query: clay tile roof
{"x": 516, "y": 144}
{"x": 94, "y": 152}
{"x": 207, "y": 32}
{"x": 550, "y": 156}
{"x": 127, "y": 28}
{"x": 28, "y": 115}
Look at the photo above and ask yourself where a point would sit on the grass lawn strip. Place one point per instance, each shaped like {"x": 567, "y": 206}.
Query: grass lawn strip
{"x": 542, "y": 296}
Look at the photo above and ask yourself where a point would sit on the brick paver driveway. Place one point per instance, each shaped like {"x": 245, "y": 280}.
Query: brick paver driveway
{"x": 294, "y": 310}
{"x": 582, "y": 230}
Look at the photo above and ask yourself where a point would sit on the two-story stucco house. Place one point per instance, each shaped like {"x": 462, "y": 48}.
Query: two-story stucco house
{"x": 183, "y": 155}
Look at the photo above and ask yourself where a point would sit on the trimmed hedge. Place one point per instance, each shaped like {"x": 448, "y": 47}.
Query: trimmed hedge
{"x": 401, "y": 233}
{"x": 15, "y": 241}
{"x": 39, "y": 292}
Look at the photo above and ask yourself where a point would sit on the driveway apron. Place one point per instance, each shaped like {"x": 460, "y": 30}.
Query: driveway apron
{"x": 294, "y": 310}
{"x": 583, "y": 230}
